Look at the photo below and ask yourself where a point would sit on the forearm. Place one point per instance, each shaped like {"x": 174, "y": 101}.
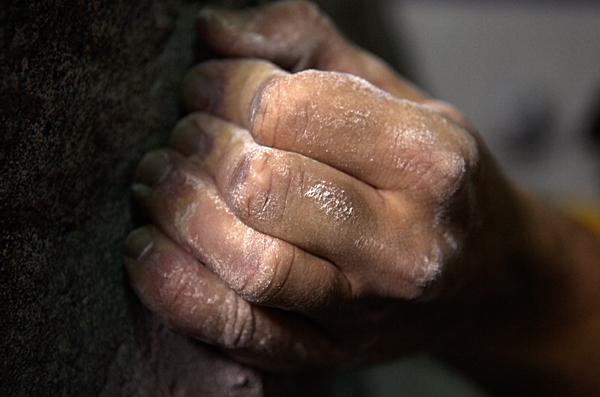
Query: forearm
{"x": 544, "y": 335}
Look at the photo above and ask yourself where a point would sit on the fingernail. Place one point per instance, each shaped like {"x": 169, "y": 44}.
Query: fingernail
{"x": 153, "y": 168}
{"x": 139, "y": 242}
{"x": 140, "y": 192}
{"x": 190, "y": 139}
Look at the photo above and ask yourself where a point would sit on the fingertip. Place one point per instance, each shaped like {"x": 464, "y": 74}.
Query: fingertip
{"x": 139, "y": 242}
{"x": 226, "y": 88}
{"x": 153, "y": 168}
{"x": 224, "y": 30}
{"x": 138, "y": 246}
{"x": 156, "y": 267}
{"x": 207, "y": 15}
{"x": 140, "y": 192}
{"x": 189, "y": 138}
{"x": 283, "y": 32}
{"x": 196, "y": 87}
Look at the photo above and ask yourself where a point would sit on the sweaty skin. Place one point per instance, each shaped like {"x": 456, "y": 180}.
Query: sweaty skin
{"x": 315, "y": 209}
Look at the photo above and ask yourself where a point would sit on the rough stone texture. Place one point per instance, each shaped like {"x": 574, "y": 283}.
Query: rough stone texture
{"x": 87, "y": 87}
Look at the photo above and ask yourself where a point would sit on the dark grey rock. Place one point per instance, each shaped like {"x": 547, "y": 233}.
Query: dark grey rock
{"x": 86, "y": 88}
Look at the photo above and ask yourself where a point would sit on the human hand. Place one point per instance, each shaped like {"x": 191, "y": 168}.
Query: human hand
{"x": 314, "y": 218}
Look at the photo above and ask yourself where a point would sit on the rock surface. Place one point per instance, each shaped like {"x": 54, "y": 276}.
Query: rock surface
{"x": 87, "y": 87}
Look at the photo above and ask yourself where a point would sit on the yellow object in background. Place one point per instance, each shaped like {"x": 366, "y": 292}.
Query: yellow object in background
{"x": 586, "y": 214}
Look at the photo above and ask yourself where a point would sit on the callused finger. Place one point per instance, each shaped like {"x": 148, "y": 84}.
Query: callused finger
{"x": 185, "y": 203}
{"x": 296, "y": 35}
{"x": 335, "y": 118}
{"x": 298, "y": 199}
{"x": 178, "y": 288}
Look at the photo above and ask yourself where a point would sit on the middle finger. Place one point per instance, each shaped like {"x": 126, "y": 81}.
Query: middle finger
{"x": 292, "y": 197}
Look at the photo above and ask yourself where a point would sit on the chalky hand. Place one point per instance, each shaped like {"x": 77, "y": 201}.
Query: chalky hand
{"x": 312, "y": 217}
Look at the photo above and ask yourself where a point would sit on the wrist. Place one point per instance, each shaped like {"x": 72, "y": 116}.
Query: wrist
{"x": 534, "y": 315}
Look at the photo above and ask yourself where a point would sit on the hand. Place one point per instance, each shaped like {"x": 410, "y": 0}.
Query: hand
{"x": 319, "y": 218}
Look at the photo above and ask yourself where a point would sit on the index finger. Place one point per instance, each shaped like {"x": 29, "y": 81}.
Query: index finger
{"x": 336, "y": 118}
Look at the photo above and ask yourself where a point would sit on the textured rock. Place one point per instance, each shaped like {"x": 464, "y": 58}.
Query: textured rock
{"x": 87, "y": 87}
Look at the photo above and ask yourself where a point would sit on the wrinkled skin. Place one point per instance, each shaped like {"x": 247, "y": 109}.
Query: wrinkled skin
{"x": 315, "y": 209}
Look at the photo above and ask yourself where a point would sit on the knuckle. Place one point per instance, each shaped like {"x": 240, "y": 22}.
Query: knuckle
{"x": 274, "y": 262}
{"x": 291, "y": 107}
{"x": 430, "y": 274}
{"x": 451, "y": 170}
{"x": 438, "y": 174}
{"x": 424, "y": 280}
{"x": 467, "y": 142}
{"x": 433, "y": 162}
{"x": 454, "y": 166}
{"x": 427, "y": 270}
{"x": 267, "y": 112}
{"x": 261, "y": 185}
{"x": 414, "y": 271}
{"x": 282, "y": 107}
{"x": 239, "y": 324}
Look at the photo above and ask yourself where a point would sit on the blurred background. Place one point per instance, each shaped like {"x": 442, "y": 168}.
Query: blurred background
{"x": 527, "y": 74}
